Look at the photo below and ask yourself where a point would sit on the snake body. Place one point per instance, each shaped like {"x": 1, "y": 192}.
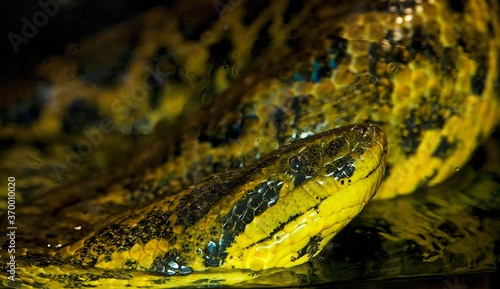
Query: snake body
{"x": 424, "y": 71}
{"x": 238, "y": 219}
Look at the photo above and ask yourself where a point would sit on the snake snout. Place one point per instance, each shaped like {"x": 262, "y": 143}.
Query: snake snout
{"x": 369, "y": 133}
{"x": 378, "y": 136}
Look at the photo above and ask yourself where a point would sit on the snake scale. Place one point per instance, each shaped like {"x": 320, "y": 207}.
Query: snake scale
{"x": 245, "y": 100}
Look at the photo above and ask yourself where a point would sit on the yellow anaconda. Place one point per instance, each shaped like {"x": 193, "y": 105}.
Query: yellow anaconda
{"x": 278, "y": 213}
{"x": 243, "y": 97}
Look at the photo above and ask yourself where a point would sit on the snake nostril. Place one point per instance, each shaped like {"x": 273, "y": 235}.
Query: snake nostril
{"x": 363, "y": 130}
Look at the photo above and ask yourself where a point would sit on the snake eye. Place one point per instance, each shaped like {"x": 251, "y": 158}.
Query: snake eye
{"x": 297, "y": 163}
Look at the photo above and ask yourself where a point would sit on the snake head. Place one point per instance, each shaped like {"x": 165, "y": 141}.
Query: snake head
{"x": 318, "y": 185}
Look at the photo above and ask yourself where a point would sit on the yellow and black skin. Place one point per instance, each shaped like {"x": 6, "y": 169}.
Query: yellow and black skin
{"x": 277, "y": 213}
{"x": 239, "y": 84}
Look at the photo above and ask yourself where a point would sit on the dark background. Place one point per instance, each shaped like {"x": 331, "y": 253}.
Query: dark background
{"x": 75, "y": 20}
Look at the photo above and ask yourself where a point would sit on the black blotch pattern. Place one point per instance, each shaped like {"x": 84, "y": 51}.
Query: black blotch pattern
{"x": 334, "y": 147}
{"x": 79, "y": 116}
{"x": 253, "y": 10}
{"x": 323, "y": 68}
{"x": 298, "y": 105}
{"x": 311, "y": 248}
{"x": 192, "y": 28}
{"x": 338, "y": 47}
{"x": 254, "y": 203}
{"x": 450, "y": 229}
{"x": 206, "y": 281}
{"x": 479, "y": 158}
{"x": 420, "y": 43}
{"x": 402, "y": 51}
{"x": 478, "y": 80}
{"x": 313, "y": 155}
{"x": 299, "y": 179}
{"x": 411, "y": 139}
{"x": 491, "y": 30}
{"x": 415, "y": 124}
{"x": 294, "y": 7}
{"x": 230, "y": 132}
{"x": 322, "y": 64}
{"x": 154, "y": 82}
{"x": 234, "y": 131}
{"x": 457, "y": 5}
{"x": 359, "y": 151}
{"x": 132, "y": 264}
{"x": 444, "y": 149}
{"x": 279, "y": 121}
{"x": 396, "y": 53}
{"x": 435, "y": 119}
{"x": 262, "y": 42}
{"x": 342, "y": 168}
{"x": 448, "y": 64}
{"x": 299, "y": 166}
{"x": 464, "y": 43}
{"x": 304, "y": 166}
{"x": 219, "y": 52}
